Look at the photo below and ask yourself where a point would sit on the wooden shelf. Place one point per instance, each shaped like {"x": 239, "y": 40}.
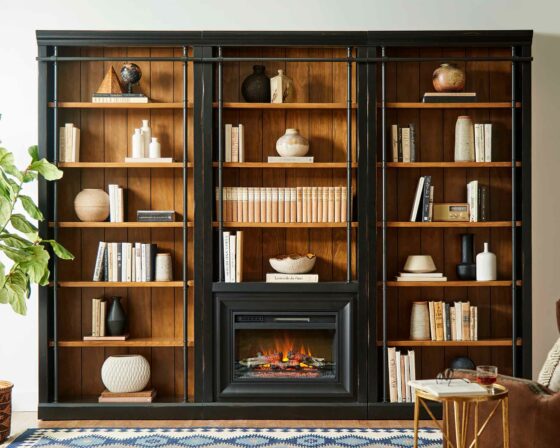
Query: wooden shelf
{"x": 450, "y": 284}
{"x": 89, "y": 105}
{"x": 118, "y": 225}
{"x": 416, "y": 165}
{"x": 90, "y": 284}
{"x": 322, "y": 165}
{"x": 498, "y": 105}
{"x": 133, "y": 342}
{"x": 436, "y": 225}
{"x": 283, "y": 106}
{"x": 288, "y": 225}
{"x": 479, "y": 343}
{"x": 122, "y": 165}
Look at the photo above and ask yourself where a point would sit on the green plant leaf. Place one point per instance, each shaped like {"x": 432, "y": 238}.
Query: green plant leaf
{"x": 30, "y": 207}
{"x": 15, "y": 288}
{"x": 14, "y": 254}
{"x": 30, "y": 176}
{"x": 36, "y": 265}
{"x": 15, "y": 241}
{"x": 5, "y": 210}
{"x": 7, "y": 163}
{"x": 46, "y": 169}
{"x": 60, "y": 250}
{"x": 33, "y": 152}
{"x": 20, "y": 223}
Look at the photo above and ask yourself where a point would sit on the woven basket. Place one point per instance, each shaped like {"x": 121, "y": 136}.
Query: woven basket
{"x": 5, "y": 409}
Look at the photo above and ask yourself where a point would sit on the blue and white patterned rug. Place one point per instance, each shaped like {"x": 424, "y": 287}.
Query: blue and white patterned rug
{"x": 208, "y": 437}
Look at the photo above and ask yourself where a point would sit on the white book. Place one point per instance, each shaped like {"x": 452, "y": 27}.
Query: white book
{"x": 111, "y": 187}
{"x": 115, "y": 262}
{"x": 391, "y": 366}
{"x": 129, "y": 262}
{"x": 479, "y": 142}
{"x": 232, "y": 257}
{"x": 68, "y": 139}
{"x": 123, "y": 262}
{"x": 143, "y": 258}
{"x": 94, "y": 317}
{"x": 417, "y": 199}
{"x": 421, "y": 274}
{"x": 75, "y": 147}
{"x": 395, "y": 141}
{"x": 303, "y": 159}
{"x": 241, "y": 143}
{"x": 408, "y": 397}
{"x": 138, "y": 250}
{"x": 472, "y": 199}
{"x": 458, "y": 321}
{"x": 148, "y": 160}
{"x": 488, "y": 142}
{"x": 432, "y": 315}
{"x": 406, "y": 144}
{"x": 239, "y": 257}
{"x": 421, "y": 279}
{"x": 399, "y": 377}
{"x": 412, "y": 374}
{"x": 99, "y": 261}
{"x": 227, "y": 266}
{"x": 444, "y": 318}
{"x": 457, "y": 386}
{"x": 132, "y": 263}
{"x": 276, "y": 277}
{"x": 120, "y": 205}
{"x": 227, "y": 141}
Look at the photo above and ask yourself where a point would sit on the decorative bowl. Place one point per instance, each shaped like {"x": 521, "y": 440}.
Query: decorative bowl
{"x": 292, "y": 144}
{"x": 125, "y": 373}
{"x": 293, "y": 263}
{"x": 419, "y": 264}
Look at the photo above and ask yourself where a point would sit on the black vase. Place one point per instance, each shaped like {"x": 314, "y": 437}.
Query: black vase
{"x": 256, "y": 86}
{"x": 116, "y": 319}
{"x": 466, "y": 270}
{"x": 462, "y": 362}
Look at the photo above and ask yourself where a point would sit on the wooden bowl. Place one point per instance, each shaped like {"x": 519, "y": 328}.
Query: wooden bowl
{"x": 293, "y": 263}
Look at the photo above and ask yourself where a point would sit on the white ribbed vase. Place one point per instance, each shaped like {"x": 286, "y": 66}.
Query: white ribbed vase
{"x": 464, "y": 139}
{"x": 125, "y": 373}
{"x": 419, "y": 322}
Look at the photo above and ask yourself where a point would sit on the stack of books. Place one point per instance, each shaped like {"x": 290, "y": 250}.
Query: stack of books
{"x": 116, "y": 203}
{"x": 300, "y": 204}
{"x": 402, "y": 369}
{"x": 449, "y": 97}
{"x": 233, "y": 256}
{"x": 155, "y": 216}
{"x": 483, "y": 142}
{"x": 277, "y": 277}
{"x": 478, "y": 200}
{"x": 235, "y": 143}
{"x": 69, "y": 143}
{"x": 145, "y": 396}
{"x": 403, "y": 143}
{"x": 421, "y": 277}
{"x": 423, "y": 204}
{"x": 294, "y": 159}
{"x": 456, "y": 321}
{"x": 125, "y": 262}
{"x": 98, "y": 320}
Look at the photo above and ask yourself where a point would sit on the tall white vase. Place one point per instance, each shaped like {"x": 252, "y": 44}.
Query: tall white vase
{"x": 146, "y": 135}
{"x": 155, "y": 149}
{"x": 137, "y": 144}
{"x": 464, "y": 139}
{"x": 419, "y": 321}
{"x": 486, "y": 265}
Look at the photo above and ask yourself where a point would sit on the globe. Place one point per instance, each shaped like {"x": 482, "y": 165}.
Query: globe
{"x": 131, "y": 74}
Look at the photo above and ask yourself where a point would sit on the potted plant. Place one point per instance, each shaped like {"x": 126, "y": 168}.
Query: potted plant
{"x": 27, "y": 253}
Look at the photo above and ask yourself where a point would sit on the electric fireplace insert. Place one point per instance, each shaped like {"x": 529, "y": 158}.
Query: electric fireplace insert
{"x": 275, "y": 347}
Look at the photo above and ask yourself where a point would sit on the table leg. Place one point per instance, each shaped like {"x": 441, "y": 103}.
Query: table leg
{"x": 458, "y": 437}
{"x": 416, "y": 420}
{"x": 505, "y": 421}
{"x": 466, "y": 413}
{"x": 476, "y": 425}
{"x": 446, "y": 416}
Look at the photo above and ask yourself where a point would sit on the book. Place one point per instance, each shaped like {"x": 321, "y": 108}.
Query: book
{"x": 458, "y": 386}
{"x": 241, "y": 139}
{"x": 478, "y": 142}
{"x": 449, "y": 97}
{"x": 303, "y": 159}
{"x": 412, "y": 128}
{"x": 232, "y": 257}
{"x": 391, "y": 364}
{"x": 483, "y": 203}
{"x": 399, "y": 376}
{"x": 444, "y": 320}
{"x": 421, "y": 279}
{"x": 155, "y": 216}
{"x": 447, "y": 313}
{"x": 227, "y": 265}
{"x": 417, "y": 199}
{"x": 403, "y": 378}
{"x": 239, "y": 257}
{"x": 472, "y": 200}
{"x": 405, "y": 144}
{"x": 106, "y": 338}
{"x": 69, "y": 143}
{"x": 148, "y": 160}
{"x": 119, "y": 98}
{"x": 487, "y": 142}
{"x": 421, "y": 274}
{"x": 466, "y": 318}
{"x": 227, "y": 143}
{"x": 234, "y": 144}
{"x": 99, "y": 262}
{"x": 438, "y": 311}
{"x": 276, "y": 277}
{"x": 412, "y": 373}
{"x": 133, "y": 397}
{"x": 337, "y": 201}
{"x": 426, "y": 198}
{"x": 458, "y": 321}
{"x": 432, "y": 315}
{"x": 453, "y": 323}
{"x": 395, "y": 142}
{"x": 407, "y": 394}
{"x": 399, "y": 144}
{"x": 431, "y": 205}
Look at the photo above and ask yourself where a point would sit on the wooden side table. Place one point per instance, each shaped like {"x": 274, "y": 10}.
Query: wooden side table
{"x": 462, "y": 407}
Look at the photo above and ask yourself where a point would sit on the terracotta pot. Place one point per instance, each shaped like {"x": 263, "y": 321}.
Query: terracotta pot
{"x": 92, "y": 205}
{"x": 448, "y": 78}
{"x": 125, "y": 373}
{"x": 5, "y": 409}
{"x": 292, "y": 144}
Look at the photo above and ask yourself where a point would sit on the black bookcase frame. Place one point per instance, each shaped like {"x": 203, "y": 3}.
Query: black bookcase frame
{"x": 371, "y": 398}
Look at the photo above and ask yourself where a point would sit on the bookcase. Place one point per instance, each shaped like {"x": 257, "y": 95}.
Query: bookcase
{"x": 349, "y": 88}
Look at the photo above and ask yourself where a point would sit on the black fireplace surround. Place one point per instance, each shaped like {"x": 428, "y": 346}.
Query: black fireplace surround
{"x": 275, "y": 347}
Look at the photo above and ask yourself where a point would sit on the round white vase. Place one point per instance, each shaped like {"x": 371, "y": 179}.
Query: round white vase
{"x": 419, "y": 322}
{"x": 486, "y": 266}
{"x": 164, "y": 268}
{"x": 292, "y": 144}
{"x": 464, "y": 139}
{"x": 92, "y": 205}
{"x": 125, "y": 373}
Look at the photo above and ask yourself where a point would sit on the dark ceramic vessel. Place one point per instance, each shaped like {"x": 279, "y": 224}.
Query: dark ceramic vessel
{"x": 256, "y": 86}
{"x": 466, "y": 270}
{"x": 462, "y": 362}
{"x": 116, "y": 319}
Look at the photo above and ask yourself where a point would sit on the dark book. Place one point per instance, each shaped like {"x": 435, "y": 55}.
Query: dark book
{"x": 412, "y": 127}
{"x": 155, "y": 216}
{"x": 447, "y": 322}
{"x": 151, "y": 253}
{"x": 483, "y": 203}
{"x": 400, "y": 145}
{"x": 425, "y": 215}
{"x": 447, "y": 97}
{"x": 119, "y": 262}
{"x": 106, "y": 264}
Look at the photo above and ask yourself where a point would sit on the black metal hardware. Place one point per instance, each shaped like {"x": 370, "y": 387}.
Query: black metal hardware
{"x": 349, "y": 167}
{"x": 55, "y": 230}
{"x": 384, "y": 217}
{"x": 513, "y": 215}
{"x": 185, "y": 228}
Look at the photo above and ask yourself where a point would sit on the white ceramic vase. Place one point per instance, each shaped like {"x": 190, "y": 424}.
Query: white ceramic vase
{"x": 125, "y": 373}
{"x": 92, "y": 205}
{"x": 281, "y": 88}
{"x": 164, "y": 268}
{"x": 146, "y": 132}
{"x": 292, "y": 144}
{"x": 419, "y": 322}
{"x": 155, "y": 149}
{"x": 137, "y": 144}
{"x": 464, "y": 139}
{"x": 486, "y": 266}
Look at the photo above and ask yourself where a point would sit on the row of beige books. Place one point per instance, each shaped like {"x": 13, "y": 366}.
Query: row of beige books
{"x": 402, "y": 370}
{"x": 456, "y": 321}
{"x": 284, "y": 205}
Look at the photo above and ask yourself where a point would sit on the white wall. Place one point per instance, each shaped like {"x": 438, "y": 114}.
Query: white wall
{"x": 18, "y": 104}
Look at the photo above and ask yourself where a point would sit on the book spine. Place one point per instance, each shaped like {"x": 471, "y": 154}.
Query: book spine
{"x": 306, "y": 202}
{"x": 281, "y": 202}
{"x": 483, "y": 199}
{"x": 235, "y": 144}
{"x": 412, "y": 374}
{"x": 132, "y": 263}
{"x": 239, "y": 260}
{"x": 274, "y": 204}
{"x": 439, "y": 320}
{"x": 458, "y": 321}
{"x": 426, "y": 199}
{"x": 478, "y": 143}
{"x": 94, "y": 325}
{"x": 144, "y": 256}
{"x": 153, "y": 253}
{"x": 232, "y": 257}
{"x": 407, "y": 378}
{"x": 412, "y": 128}
{"x": 287, "y": 204}
{"x": 466, "y": 320}
{"x": 432, "y": 320}
{"x": 102, "y": 318}
{"x": 227, "y": 142}
{"x": 62, "y": 145}
{"x": 119, "y": 262}
{"x": 395, "y": 142}
{"x": 398, "y": 368}
{"x": 453, "y": 323}
{"x": 314, "y": 204}
{"x": 299, "y": 204}
{"x": 399, "y": 144}
{"x": 251, "y": 204}
{"x": 488, "y": 142}
{"x": 343, "y": 204}
{"x": 447, "y": 322}
{"x": 245, "y": 204}
{"x": 227, "y": 265}
{"x": 406, "y": 144}
{"x": 293, "y": 204}
{"x": 98, "y": 269}
{"x": 120, "y": 204}
{"x": 138, "y": 247}
{"x": 337, "y": 201}
{"x": 392, "y": 366}
{"x": 241, "y": 143}
{"x": 403, "y": 379}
